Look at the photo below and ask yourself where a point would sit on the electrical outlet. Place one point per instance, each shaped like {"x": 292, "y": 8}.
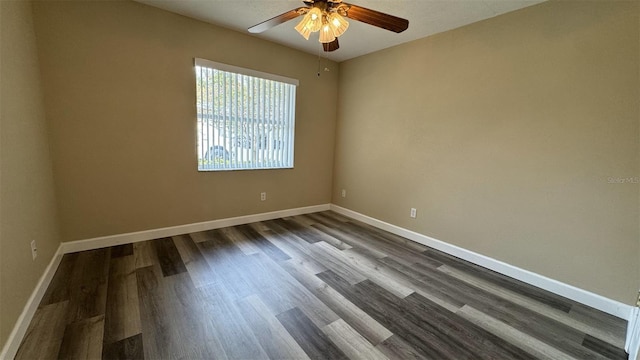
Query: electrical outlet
{"x": 413, "y": 213}
{"x": 34, "y": 250}
{"x": 344, "y": 193}
{"x": 263, "y": 196}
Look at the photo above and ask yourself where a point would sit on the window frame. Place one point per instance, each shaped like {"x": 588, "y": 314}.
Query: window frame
{"x": 288, "y": 131}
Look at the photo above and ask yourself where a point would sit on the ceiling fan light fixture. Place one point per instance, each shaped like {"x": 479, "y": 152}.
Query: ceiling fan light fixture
{"x": 330, "y": 25}
{"x": 329, "y": 18}
{"x": 338, "y": 24}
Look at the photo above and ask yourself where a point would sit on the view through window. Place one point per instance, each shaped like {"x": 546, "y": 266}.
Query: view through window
{"x": 246, "y": 118}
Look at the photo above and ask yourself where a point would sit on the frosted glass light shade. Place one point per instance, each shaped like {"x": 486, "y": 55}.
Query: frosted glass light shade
{"x": 302, "y": 27}
{"x": 315, "y": 19}
{"x": 338, "y": 24}
{"x": 326, "y": 34}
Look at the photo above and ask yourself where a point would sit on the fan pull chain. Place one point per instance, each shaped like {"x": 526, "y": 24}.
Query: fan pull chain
{"x": 319, "y": 60}
{"x": 326, "y": 69}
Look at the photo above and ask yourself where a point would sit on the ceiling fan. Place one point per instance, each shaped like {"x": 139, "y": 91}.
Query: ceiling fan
{"x": 327, "y": 18}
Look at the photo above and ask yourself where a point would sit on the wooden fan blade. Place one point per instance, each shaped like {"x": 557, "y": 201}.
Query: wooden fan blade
{"x": 332, "y": 46}
{"x": 376, "y": 18}
{"x": 266, "y": 25}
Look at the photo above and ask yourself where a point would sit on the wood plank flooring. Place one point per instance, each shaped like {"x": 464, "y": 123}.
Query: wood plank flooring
{"x": 318, "y": 286}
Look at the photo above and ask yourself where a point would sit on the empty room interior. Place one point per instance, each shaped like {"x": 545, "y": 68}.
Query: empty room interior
{"x": 190, "y": 180}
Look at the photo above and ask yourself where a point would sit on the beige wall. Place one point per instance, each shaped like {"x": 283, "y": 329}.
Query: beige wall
{"x": 120, "y": 98}
{"x": 503, "y": 135}
{"x": 27, "y": 209}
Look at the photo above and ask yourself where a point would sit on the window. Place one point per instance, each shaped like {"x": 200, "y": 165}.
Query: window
{"x": 246, "y": 118}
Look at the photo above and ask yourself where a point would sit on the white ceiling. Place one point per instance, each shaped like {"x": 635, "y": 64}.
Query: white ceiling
{"x": 426, "y": 17}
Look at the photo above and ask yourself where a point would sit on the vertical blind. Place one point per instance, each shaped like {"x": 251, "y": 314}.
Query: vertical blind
{"x": 246, "y": 118}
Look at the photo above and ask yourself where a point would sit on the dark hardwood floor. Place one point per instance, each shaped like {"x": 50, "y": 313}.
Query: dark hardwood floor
{"x": 318, "y": 286}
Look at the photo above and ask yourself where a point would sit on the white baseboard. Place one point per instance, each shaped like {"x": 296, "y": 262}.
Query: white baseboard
{"x": 10, "y": 348}
{"x": 119, "y": 239}
{"x": 596, "y": 301}
{"x": 632, "y": 344}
